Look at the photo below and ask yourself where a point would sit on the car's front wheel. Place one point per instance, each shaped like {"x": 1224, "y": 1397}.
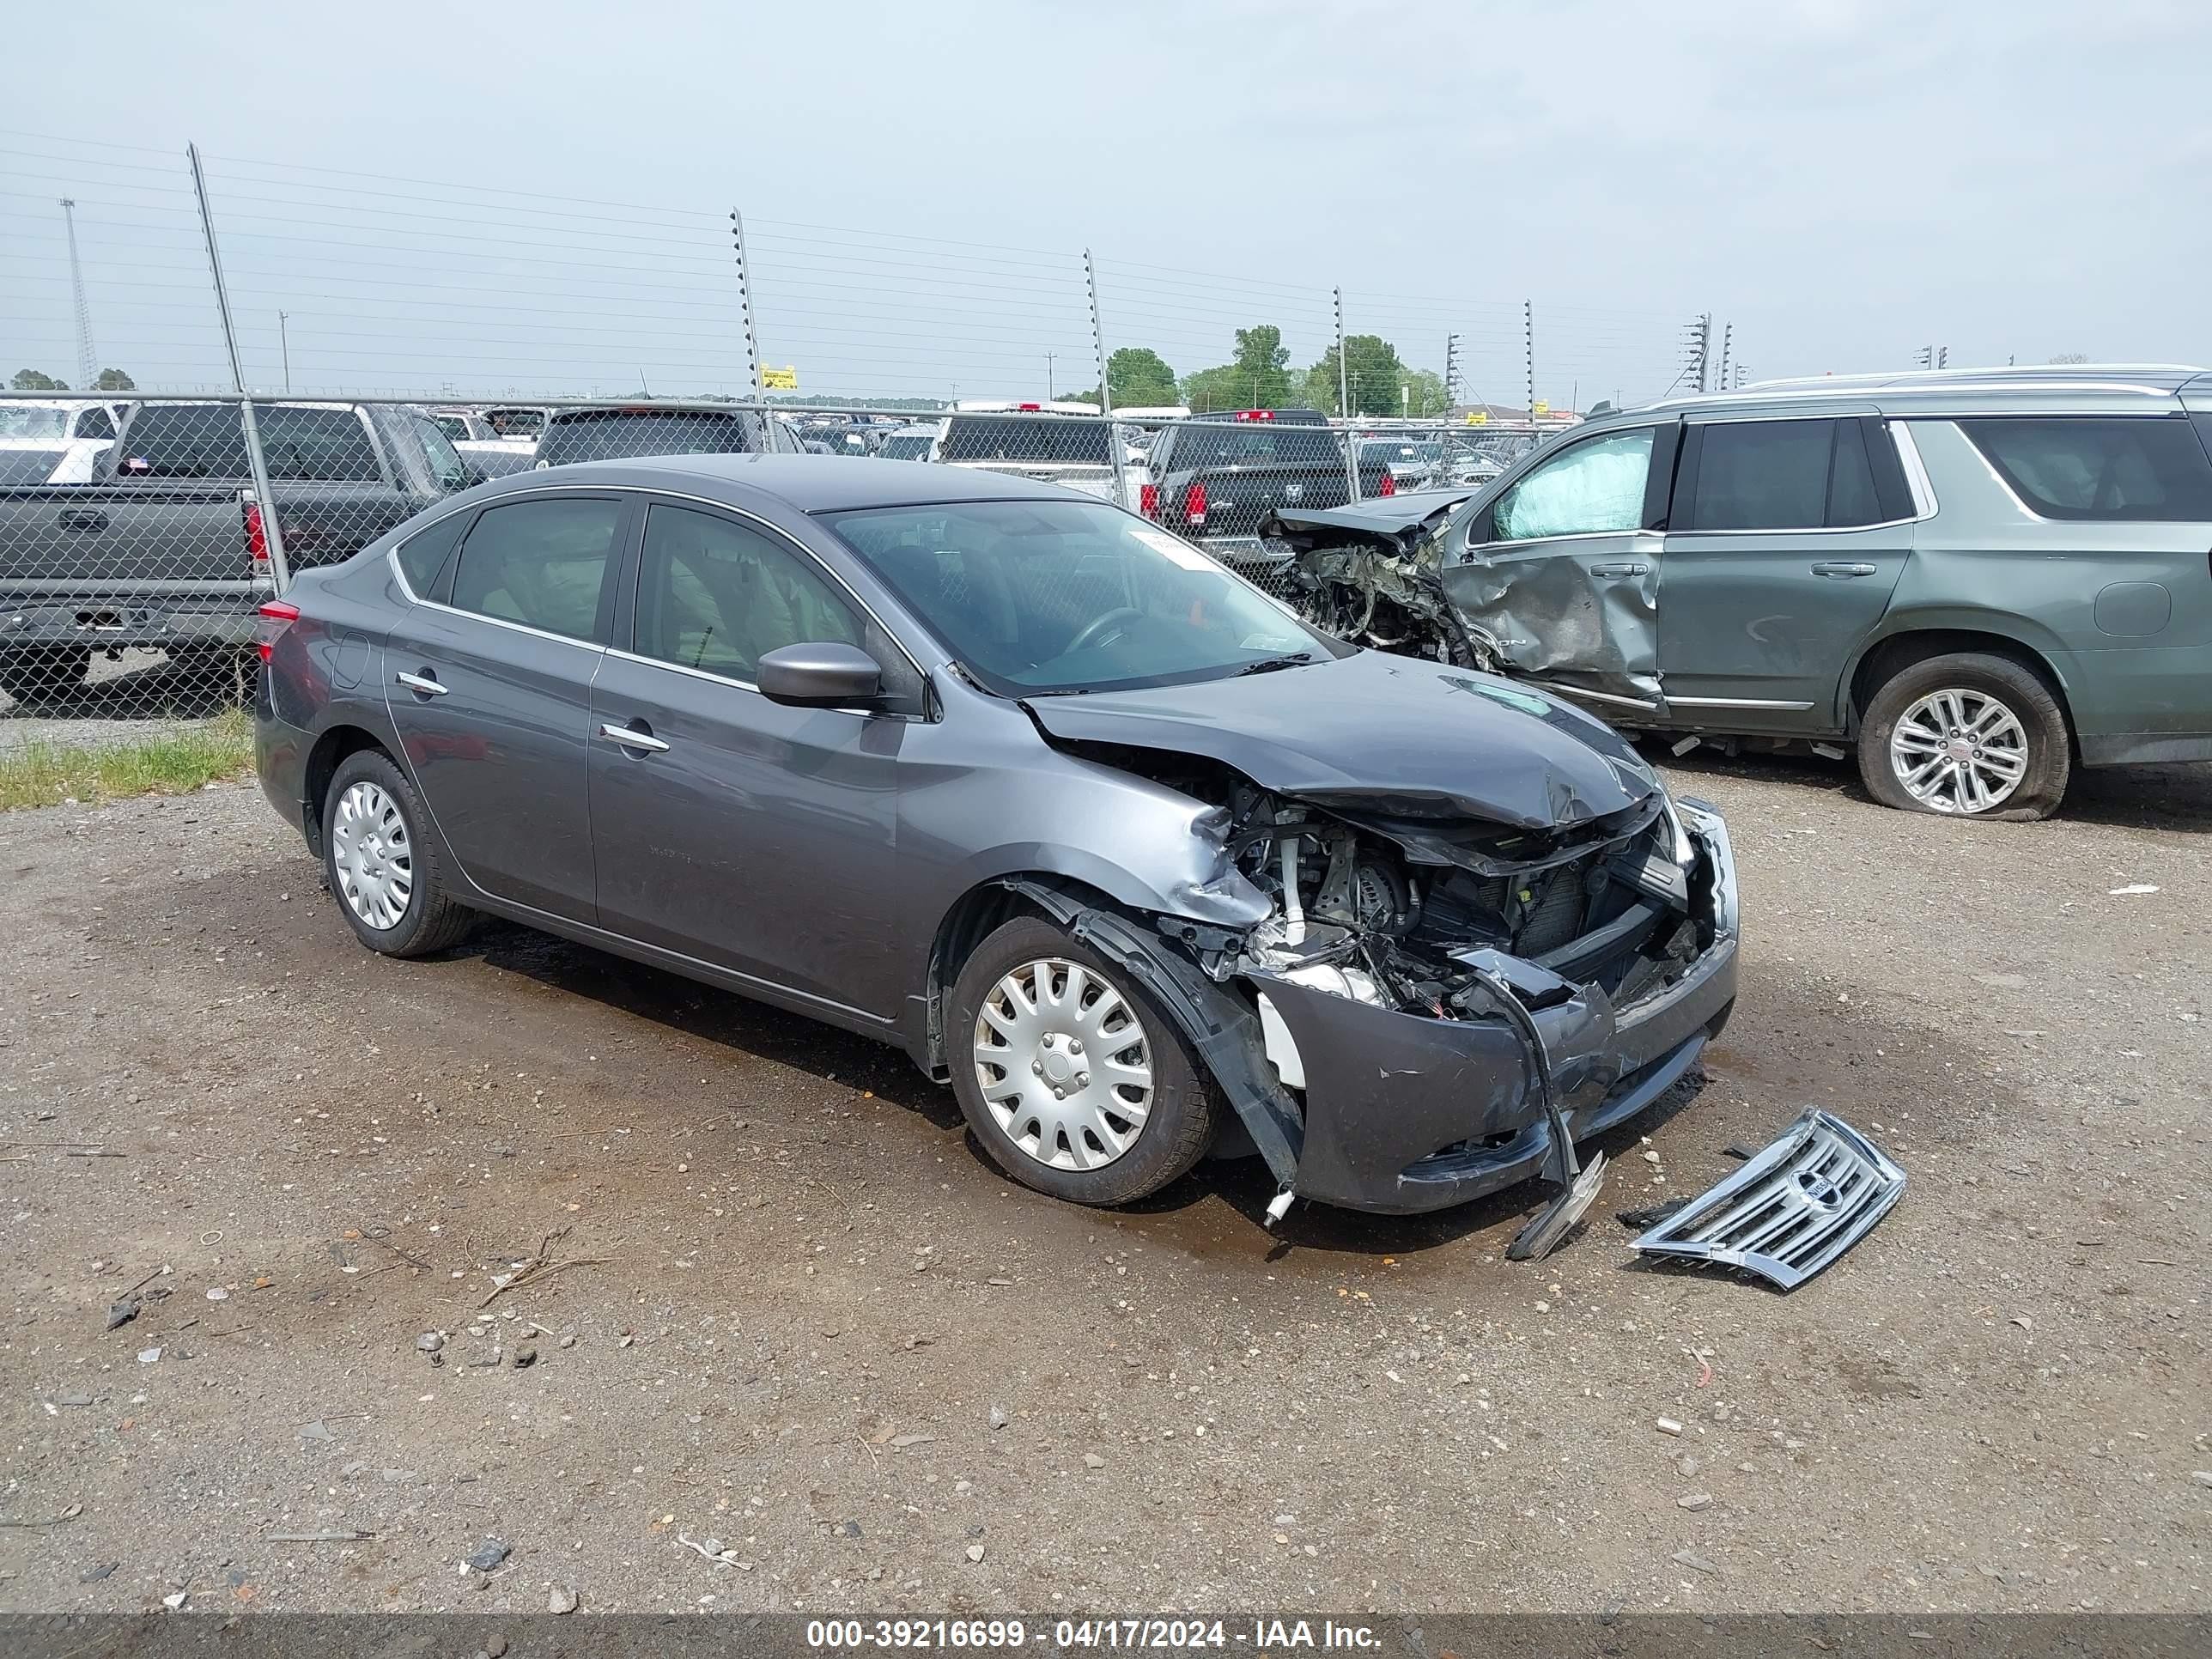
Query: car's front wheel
{"x": 1074, "y": 1081}
{"x": 381, "y": 870}
{"x": 1966, "y": 735}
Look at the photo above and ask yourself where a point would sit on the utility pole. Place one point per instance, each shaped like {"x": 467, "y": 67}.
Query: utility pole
{"x": 1048, "y": 356}
{"x": 1697, "y": 353}
{"x": 745, "y": 300}
{"x": 1529, "y": 349}
{"x": 1344, "y": 404}
{"x": 284, "y": 337}
{"x": 1451, "y": 371}
{"x": 88, "y": 364}
{"x": 1727, "y": 339}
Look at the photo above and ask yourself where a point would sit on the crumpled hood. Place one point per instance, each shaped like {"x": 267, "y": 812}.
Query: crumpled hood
{"x": 1392, "y": 733}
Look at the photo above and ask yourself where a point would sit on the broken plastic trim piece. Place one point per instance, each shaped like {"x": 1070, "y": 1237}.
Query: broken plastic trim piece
{"x": 1541, "y": 1236}
{"x": 1792, "y": 1210}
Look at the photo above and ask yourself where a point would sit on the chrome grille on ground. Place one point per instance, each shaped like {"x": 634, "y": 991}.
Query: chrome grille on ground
{"x": 1791, "y": 1210}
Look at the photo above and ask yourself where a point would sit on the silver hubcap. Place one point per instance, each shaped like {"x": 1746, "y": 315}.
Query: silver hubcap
{"x": 369, "y": 847}
{"x": 1959, "y": 751}
{"x": 1064, "y": 1065}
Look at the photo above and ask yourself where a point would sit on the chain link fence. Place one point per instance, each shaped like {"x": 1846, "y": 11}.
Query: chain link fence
{"x": 402, "y": 337}
{"x": 140, "y": 535}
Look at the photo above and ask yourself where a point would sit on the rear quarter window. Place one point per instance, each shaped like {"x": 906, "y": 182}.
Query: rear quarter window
{"x": 2113, "y": 469}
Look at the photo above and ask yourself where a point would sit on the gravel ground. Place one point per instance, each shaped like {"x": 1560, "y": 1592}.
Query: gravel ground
{"x": 139, "y": 696}
{"x": 807, "y": 1322}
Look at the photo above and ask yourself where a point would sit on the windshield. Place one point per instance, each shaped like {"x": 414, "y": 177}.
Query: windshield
{"x": 906, "y": 446}
{"x": 1046, "y": 597}
{"x": 1253, "y": 443}
{"x": 1388, "y": 452}
{"x": 40, "y": 425}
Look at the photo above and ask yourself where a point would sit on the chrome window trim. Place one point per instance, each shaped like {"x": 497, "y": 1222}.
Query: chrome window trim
{"x": 747, "y": 685}
{"x": 1923, "y": 487}
{"x": 652, "y": 493}
{"x": 1596, "y": 696}
{"x": 1733, "y": 702}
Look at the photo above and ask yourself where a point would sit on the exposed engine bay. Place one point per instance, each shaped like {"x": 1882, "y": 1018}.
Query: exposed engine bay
{"x": 1383, "y": 903}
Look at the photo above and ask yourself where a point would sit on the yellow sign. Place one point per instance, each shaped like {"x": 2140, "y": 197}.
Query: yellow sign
{"x": 1478, "y": 417}
{"x": 779, "y": 380}
{"x": 1540, "y": 408}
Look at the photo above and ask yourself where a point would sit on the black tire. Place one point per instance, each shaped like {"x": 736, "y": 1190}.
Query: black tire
{"x": 42, "y": 673}
{"x": 1184, "y": 1109}
{"x": 430, "y": 920}
{"x": 2048, "y": 750}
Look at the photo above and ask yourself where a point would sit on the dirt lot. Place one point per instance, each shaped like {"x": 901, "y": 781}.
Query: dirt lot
{"x": 801, "y": 1300}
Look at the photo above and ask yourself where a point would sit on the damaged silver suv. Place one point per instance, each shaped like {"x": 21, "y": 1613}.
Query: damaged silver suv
{"x": 1025, "y": 785}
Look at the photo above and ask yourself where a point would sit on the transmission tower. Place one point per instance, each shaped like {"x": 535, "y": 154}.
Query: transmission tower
{"x": 87, "y": 366}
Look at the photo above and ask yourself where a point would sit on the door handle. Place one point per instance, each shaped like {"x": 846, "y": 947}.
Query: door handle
{"x": 1636, "y": 567}
{"x": 1833, "y": 567}
{"x": 78, "y": 518}
{"x": 630, "y": 738}
{"x": 423, "y": 685}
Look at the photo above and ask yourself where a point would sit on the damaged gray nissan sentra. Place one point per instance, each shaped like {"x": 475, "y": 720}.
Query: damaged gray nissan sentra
{"x": 1022, "y": 783}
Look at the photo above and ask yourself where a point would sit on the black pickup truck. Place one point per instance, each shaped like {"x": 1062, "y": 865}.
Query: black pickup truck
{"x": 1213, "y": 478}
{"x": 167, "y": 549}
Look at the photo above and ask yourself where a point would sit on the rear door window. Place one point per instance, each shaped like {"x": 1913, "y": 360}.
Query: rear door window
{"x": 2115, "y": 468}
{"x": 542, "y": 564}
{"x": 317, "y": 446}
{"x": 1594, "y": 487}
{"x": 1789, "y": 475}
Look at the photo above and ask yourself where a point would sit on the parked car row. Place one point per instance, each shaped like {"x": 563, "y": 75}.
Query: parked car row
{"x": 164, "y": 545}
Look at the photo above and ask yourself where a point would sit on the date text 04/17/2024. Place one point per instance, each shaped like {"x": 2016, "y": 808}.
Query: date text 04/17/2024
{"x": 1264, "y": 1635}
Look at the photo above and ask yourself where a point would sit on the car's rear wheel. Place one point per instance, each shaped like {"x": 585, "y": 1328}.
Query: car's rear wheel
{"x": 42, "y": 673}
{"x": 1966, "y": 735}
{"x": 1074, "y": 1081}
{"x": 382, "y": 871}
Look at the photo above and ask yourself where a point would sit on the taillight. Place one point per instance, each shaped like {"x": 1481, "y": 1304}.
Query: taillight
{"x": 257, "y": 536}
{"x": 1148, "y": 499}
{"x": 1193, "y": 504}
{"x": 277, "y": 615}
{"x": 1389, "y": 483}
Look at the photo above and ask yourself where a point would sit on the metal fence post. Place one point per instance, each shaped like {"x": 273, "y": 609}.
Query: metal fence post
{"x": 280, "y": 568}
{"x": 1344, "y": 405}
{"x": 1105, "y": 391}
{"x": 745, "y": 299}
{"x": 1529, "y": 352}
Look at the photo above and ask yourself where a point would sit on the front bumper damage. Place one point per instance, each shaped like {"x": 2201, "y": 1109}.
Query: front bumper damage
{"x": 1358, "y": 1103}
{"x": 1405, "y": 1113}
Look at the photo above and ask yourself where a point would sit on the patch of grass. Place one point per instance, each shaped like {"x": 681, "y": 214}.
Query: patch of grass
{"x": 170, "y": 763}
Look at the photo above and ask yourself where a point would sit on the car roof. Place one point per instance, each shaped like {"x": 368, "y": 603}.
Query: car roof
{"x": 805, "y": 483}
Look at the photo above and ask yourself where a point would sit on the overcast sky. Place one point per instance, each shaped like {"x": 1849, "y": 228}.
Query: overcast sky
{"x": 1843, "y": 180}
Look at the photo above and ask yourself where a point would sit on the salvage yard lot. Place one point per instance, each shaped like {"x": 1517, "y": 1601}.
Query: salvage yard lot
{"x": 802, "y": 1300}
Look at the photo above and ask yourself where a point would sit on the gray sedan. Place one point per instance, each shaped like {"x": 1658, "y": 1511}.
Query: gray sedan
{"x": 1026, "y": 786}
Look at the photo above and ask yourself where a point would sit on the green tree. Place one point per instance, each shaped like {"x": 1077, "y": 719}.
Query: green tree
{"x": 1372, "y": 370}
{"x": 1139, "y": 377}
{"x": 114, "y": 379}
{"x": 1425, "y": 390}
{"x": 30, "y": 380}
{"x": 1257, "y": 379}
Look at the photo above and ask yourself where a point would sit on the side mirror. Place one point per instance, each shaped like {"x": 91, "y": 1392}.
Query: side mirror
{"x": 820, "y": 674}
